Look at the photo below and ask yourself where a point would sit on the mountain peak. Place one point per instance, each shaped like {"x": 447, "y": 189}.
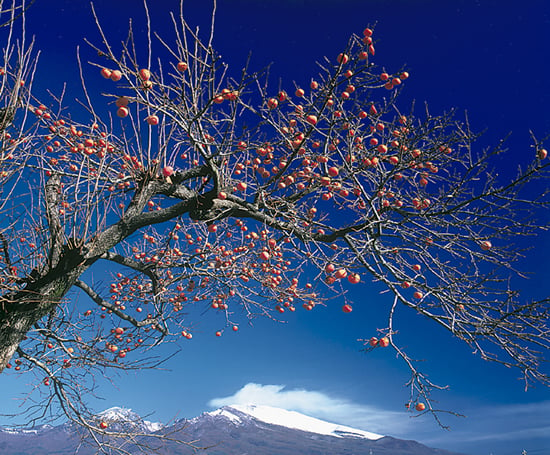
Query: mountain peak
{"x": 126, "y": 416}
{"x": 118, "y": 413}
{"x": 238, "y": 414}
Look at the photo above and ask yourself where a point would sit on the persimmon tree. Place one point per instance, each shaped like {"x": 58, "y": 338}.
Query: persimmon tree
{"x": 199, "y": 188}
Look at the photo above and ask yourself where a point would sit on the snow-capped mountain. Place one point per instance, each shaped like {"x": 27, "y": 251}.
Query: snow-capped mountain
{"x": 264, "y": 430}
{"x": 290, "y": 419}
{"x": 117, "y": 418}
{"x": 231, "y": 430}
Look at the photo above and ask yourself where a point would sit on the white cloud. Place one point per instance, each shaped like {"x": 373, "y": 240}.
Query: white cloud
{"x": 322, "y": 406}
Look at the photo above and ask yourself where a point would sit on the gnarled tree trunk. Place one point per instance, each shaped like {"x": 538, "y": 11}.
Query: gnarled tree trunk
{"x": 22, "y": 309}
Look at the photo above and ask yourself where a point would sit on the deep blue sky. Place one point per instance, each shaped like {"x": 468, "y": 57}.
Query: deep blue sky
{"x": 489, "y": 58}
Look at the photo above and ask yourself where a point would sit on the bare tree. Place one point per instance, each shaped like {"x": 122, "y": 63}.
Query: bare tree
{"x": 223, "y": 193}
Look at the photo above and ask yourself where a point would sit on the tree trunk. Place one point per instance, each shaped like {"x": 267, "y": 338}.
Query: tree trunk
{"x": 20, "y": 310}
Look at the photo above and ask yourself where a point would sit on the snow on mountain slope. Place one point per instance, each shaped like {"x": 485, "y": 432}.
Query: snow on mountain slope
{"x": 127, "y": 416}
{"x": 22, "y": 431}
{"x": 116, "y": 413}
{"x": 153, "y": 426}
{"x": 291, "y": 419}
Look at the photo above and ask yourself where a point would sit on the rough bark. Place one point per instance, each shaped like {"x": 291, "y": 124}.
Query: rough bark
{"x": 21, "y": 310}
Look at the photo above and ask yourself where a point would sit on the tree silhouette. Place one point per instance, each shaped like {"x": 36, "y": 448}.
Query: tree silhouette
{"x": 224, "y": 194}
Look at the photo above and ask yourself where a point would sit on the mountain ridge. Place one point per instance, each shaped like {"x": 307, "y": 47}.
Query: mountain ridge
{"x": 230, "y": 430}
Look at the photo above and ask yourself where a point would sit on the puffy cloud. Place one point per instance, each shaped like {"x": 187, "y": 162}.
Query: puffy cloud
{"x": 320, "y": 405}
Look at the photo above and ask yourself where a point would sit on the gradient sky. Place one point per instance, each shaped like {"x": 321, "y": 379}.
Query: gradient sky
{"x": 489, "y": 58}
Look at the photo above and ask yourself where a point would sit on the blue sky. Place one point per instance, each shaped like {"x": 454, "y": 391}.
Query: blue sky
{"x": 489, "y": 58}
